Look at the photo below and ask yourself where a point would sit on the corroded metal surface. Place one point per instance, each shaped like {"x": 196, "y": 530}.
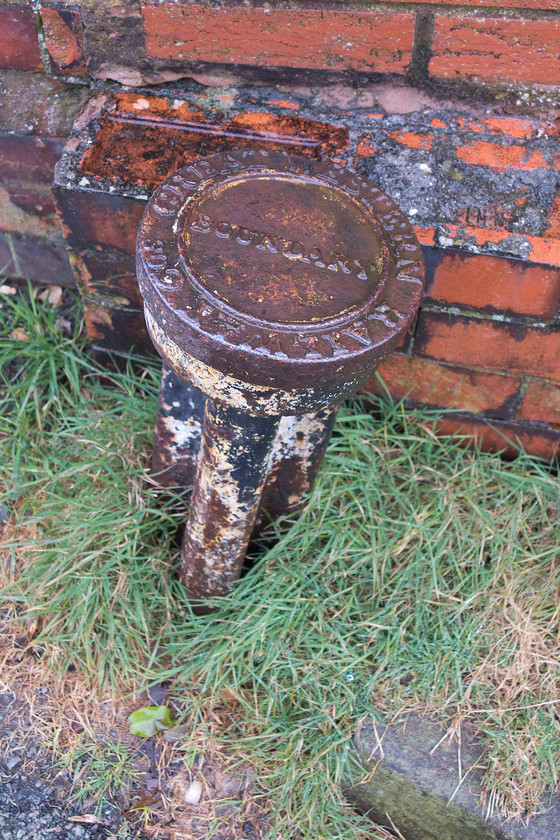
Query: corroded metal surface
{"x": 274, "y": 285}
{"x": 299, "y": 449}
{"x": 234, "y": 456}
{"x": 178, "y": 431}
{"x": 297, "y": 453}
{"x": 280, "y": 272}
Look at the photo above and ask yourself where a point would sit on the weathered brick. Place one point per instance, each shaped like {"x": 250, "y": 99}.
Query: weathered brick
{"x": 543, "y": 5}
{"x": 481, "y": 184}
{"x": 480, "y": 282}
{"x": 42, "y": 261}
{"x": 430, "y": 383}
{"x": 94, "y": 220}
{"x": 28, "y": 169}
{"x": 38, "y": 104}
{"x": 117, "y": 330}
{"x": 301, "y": 38}
{"x": 64, "y": 40}
{"x": 492, "y": 345}
{"x": 19, "y": 47}
{"x": 7, "y": 265}
{"x": 541, "y": 402}
{"x": 501, "y": 436}
{"x": 107, "y": 276}
{"x": 26, "y": 173}
{"x": 146, "y": 137}
{"x": 500, "y": 157}
{"x": 496, "y": 49}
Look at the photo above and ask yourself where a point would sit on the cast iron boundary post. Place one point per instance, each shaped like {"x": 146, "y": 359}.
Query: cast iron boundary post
{"x": 273, "y": 285}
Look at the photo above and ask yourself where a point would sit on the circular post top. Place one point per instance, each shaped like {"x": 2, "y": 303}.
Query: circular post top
{"x": 277, "y": 272}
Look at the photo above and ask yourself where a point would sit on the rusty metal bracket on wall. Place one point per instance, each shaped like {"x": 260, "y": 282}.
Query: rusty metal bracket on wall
{"x": 273, "y": 286}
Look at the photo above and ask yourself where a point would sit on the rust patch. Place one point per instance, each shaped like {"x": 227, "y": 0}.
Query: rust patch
{"x": 144, "y": 138}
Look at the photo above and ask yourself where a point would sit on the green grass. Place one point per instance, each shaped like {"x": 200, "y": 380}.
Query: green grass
{"x": 420, "y": 575}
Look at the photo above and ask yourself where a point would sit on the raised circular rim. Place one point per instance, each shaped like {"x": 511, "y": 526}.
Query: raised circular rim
{"x": 217, "y": 332}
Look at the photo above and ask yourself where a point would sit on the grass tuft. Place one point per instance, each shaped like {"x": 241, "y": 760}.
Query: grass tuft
{"x": 420, "y": 576}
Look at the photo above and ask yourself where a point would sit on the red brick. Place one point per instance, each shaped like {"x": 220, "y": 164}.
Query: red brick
{"x": 497, "y": 49}
{"x": 478, "y": 343}
{"x": 118, "y": 330}
{"x": 27, "y": 170}
{"x": 142, "y": 141}
{"x": 99, "y": 220}
{"x": 109, "y": 276}
{"x": 545, "y": 250}
{"x": 42, "y": 261}
{"x": 19, "y": 47}
{"x": 64, "y": 40}
{"x": 543, "y": 5}
{"x": 305, "y": 38}
{"x": 430, "y": 383}
{"x": 541, "y": 402}
{"x": 479, "y": 281}
{"x": 502, "y": 437}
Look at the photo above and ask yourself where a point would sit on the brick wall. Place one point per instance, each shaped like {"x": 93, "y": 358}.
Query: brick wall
{"x": 451, "y": 108}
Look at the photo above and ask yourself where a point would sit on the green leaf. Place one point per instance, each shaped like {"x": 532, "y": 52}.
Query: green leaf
{"x": 148, "y": 720}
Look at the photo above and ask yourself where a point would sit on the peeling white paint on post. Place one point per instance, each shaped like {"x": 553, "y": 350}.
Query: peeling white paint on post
{"x": 297, "y": 456}
{"x": 234, "y": 456}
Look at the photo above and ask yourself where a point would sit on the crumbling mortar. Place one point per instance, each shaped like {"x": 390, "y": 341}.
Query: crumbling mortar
{"x": 514, "y": 402}
{"x": 45, "y": 57}
{"x": 506, "y": 318}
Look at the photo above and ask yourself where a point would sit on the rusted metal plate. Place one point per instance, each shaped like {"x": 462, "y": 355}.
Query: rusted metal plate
{"x": 275, "y": 283}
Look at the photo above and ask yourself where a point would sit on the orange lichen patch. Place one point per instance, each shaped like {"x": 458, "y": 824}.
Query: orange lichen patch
{"x": 158, "y": 108}
{"x": 553, "y": 229}
{"x": 426, "y": 236}
{"x": 365, "y": 149}
{"x": 413, "y": 140}
{"x": 481, "y": 236}
{"x": 521, "y": 129}
{"x": 145, "y": 138}
{"x": 499, "y": 158}
{"x": 468, "y": 125}
{"x": 281, "y": 103}
{"x": 437, "y": 123}
{"x": 545, "y": 250}
{"x": 375, "y": 116}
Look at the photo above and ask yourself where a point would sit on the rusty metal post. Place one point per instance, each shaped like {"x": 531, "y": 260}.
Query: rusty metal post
{"x": 299, "y": 449}
{"x": 234, "y": 456}
{"x": 274, "y": 285}
{"x": 178, "y": 430}
{"x": 297, "y": 454}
